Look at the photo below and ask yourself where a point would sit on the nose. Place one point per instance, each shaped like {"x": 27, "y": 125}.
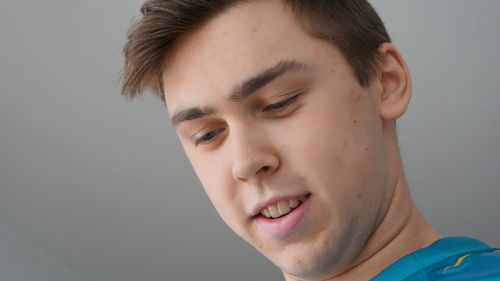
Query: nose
{"x": 254, "y": 158}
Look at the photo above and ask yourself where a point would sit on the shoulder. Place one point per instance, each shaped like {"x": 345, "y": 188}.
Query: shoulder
{"x": 447, "y": 259}
{"x": 483, "y": 266}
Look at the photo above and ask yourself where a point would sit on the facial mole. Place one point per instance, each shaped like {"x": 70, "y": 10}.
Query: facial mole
{"x": 355, "y": 121}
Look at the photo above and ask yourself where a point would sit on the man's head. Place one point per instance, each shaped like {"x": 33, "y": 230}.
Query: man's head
{"x": 278, "y": 102}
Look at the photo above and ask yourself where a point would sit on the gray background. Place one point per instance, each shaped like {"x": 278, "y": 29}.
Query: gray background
{"x": 93, "y": 187}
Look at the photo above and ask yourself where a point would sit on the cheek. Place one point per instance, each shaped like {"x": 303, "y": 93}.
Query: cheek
{"x": 214, "y": 173}
{"x": 217, "y": 187}
{"x": 338, "y": 149}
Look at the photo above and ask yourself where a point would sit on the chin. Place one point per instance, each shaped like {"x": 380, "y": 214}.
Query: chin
{"x": 325, "y": 259}
{"x": 310, "y": 272}
{"x": 312, "y": 265}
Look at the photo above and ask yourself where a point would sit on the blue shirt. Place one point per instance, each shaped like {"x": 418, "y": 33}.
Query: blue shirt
{"x": 447, "y": 259}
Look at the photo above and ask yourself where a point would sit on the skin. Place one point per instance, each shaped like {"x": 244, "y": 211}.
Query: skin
{"x": 337, "y": 141}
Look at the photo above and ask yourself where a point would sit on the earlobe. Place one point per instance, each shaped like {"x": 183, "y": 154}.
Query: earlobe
{"x": 395, "y": 83}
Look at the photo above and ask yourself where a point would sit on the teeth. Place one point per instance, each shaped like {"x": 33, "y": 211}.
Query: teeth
{"x": 282, "y": 208}
{"x": 266, "y": 213}
{"x": 274, "y": 211}
{"x": 293, "y": 203}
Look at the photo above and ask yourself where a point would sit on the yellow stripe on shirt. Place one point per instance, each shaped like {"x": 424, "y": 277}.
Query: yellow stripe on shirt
{"x": 459, "y": 261}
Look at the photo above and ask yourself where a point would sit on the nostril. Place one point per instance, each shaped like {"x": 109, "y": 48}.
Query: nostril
{"x": 264, "y": 169}
{"x": 242, "y": 179}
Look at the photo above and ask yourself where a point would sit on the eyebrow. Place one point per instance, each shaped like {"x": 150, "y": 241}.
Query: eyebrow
{"x": 243, "y": 90}
{"x": 191, "y": 114}
{"x": 260, "y": 80}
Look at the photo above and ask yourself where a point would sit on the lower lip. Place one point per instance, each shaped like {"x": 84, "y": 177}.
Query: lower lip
{"x": 286, "y": 224}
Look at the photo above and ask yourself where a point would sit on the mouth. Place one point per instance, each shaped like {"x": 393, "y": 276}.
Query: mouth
{"x": 283, "y": 218}
{"x": 283, "y": 207}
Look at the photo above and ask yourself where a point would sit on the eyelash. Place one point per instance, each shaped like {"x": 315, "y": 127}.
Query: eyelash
{"x": 281, "y": 105}
{"x": 205, "y": 139}
{"x": 275, "y": 107}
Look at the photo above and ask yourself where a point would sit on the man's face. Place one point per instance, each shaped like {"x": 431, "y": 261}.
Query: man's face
{"x": 302, "y": 128}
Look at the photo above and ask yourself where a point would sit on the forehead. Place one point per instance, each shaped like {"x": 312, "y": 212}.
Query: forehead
{"x": 232, "y": 46}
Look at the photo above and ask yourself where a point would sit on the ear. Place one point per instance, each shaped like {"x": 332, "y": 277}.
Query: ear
{"x": 395, "y": 82}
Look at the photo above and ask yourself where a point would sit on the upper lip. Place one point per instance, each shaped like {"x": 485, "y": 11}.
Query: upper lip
{"x": 274, "y": 200}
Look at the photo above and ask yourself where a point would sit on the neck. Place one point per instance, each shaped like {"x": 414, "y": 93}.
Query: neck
{"x": 403, "y": 230}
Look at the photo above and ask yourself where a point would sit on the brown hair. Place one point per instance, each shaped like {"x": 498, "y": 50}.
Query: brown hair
{"x": 351, "y": 25}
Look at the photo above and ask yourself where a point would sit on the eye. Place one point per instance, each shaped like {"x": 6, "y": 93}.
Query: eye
{"x": 208, "y": 137}
{"x": 276, "y": 107}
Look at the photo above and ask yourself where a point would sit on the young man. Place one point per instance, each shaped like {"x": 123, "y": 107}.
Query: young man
{"x": 287, "y": 112}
